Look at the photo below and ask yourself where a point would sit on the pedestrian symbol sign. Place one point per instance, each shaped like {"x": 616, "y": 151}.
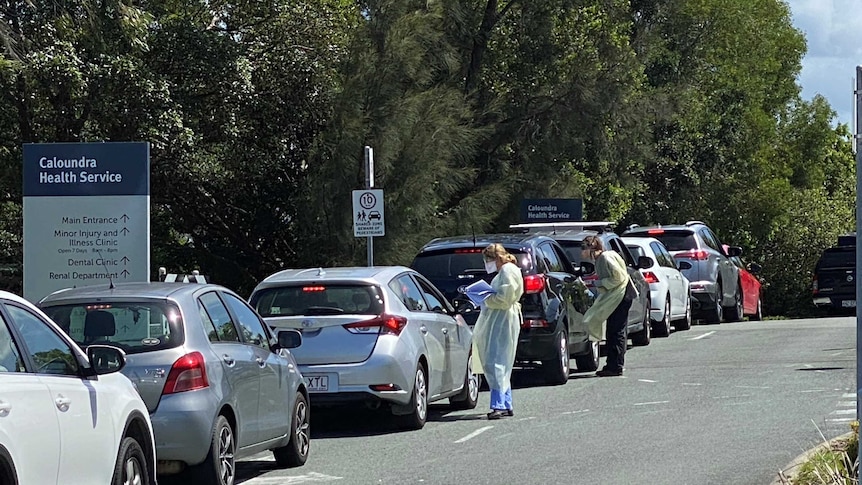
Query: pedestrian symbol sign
{"x": 368, "y": 213}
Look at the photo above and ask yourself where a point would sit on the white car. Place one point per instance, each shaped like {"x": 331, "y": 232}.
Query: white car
{"x": 669, "y": 289}
{"x": 66, "y": 417}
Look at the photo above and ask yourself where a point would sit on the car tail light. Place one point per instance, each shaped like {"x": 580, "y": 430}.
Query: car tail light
{"x": 313, "y": 289}
{"x": 590, "y": 279}
{"x": 655, "y": 231}
{"x": 385, "y": 387}
{"x": 814, "y": 286}
{"x": 384, "y": 324}
{"x": 468, "y": 251}
{"x": 188, "y": 373}
{"x": 534, "y": 283}
{"x": 534, "y": 323}
{"x": 650, "y": 277}
{"x": 695, "y": 254}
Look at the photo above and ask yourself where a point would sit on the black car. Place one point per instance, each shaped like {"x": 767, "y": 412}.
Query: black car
{"x": 834, "y": 284}
{"x": 571, "y": 235}
{"x": 554, "y": 301}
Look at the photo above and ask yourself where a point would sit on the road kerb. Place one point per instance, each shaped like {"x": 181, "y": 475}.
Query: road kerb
{"x": 788, "y": 473}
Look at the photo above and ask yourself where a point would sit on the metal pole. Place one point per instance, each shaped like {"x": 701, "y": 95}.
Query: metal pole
{"x": 369, "y": 184}
{"x": 858, "y": 137}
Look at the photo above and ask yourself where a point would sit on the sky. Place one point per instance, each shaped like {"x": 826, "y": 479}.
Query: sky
{"x": 833, "y": 31}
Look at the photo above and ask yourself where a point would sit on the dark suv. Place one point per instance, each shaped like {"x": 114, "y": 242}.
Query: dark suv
{"x": 553, "y": 304}
{"x": 571, "y": 235}
{"x": 834, "y": 284}
{"x": 716, "y": 289}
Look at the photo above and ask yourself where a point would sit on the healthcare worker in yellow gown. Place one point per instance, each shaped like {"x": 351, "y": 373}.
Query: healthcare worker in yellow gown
{"x": 496, "y": 331}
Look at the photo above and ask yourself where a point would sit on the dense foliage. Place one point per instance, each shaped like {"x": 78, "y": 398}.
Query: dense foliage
{"x": 257, "y": 111}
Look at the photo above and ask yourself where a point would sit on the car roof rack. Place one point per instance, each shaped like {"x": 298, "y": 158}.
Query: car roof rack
{"x": 195, "y": 277}
{"x": 553, "y": 226}
{"x": 691, "y": 223}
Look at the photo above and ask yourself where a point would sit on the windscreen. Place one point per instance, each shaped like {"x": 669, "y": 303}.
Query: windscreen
{"x": 676, "y": 240}
{"x": 134, "y": 327}
{"x": 837, "y": 258}
{"x": 292, "y": 300}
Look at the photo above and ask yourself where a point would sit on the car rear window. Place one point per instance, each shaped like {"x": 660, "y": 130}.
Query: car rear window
{"x": 674, "y": 240}
{"x": 318, "y": 299}
{"x": 837, "y": 258}
{"x": 135, "y": 327}
{"x": 449, "y": 263}
{"x": 573, "y": 251}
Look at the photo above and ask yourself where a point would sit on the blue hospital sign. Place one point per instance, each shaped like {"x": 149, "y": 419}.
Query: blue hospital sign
{"x": 86, "y": 215}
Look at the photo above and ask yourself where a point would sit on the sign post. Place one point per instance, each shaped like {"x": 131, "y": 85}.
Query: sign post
{"x": 368, "y": 213}
{"x": 858, "y": 137}
{"x": 86, "y": 215}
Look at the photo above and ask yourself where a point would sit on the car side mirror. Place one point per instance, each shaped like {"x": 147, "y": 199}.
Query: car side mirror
{"x": 289, "y": 339}
{"x": 754, "y": 268}
{"x": 645, "y": 262}
{"x": 585, "y": 268}
{"x": 105, "y": 359}
{"x": 734, "y": 251}
{"x": 683, "y": 265}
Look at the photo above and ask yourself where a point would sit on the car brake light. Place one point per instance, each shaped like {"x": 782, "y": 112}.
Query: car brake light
{"x": 695, "y": 254}
{"x": 655, "y": 231}
{"x": 814, "y": 286}
{"x": 309, "y": 289}
{"x": 384, "y": 324}
{"x": 468, "y": 251}
{"x": 534, "y": 283}
{"x": 650, "y": 277}
{"x": 188, "y": 373}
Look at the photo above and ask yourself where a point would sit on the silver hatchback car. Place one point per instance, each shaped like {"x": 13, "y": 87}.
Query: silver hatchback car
{"x": 217, "y": 385}
{"x": 379, "y": 335}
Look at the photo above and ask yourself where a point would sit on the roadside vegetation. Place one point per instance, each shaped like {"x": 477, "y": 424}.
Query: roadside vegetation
{"x": 651, "y": 111}
{"x": 833, "y": 464}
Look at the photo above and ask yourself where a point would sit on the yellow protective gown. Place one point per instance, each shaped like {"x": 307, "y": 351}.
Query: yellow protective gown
{"x": 495, "y": 334}
{"x": 611, "y": 285}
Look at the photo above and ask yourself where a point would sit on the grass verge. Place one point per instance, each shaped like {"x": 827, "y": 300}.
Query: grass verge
{"x": 834, "y": 463}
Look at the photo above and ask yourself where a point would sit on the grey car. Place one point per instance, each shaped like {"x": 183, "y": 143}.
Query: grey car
{"x": 715, "y": 282}
{"x": 217, "y": 385}
{"x": 382, "y": 335}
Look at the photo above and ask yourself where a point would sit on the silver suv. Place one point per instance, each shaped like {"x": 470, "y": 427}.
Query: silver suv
{"x": 715, "y": 286}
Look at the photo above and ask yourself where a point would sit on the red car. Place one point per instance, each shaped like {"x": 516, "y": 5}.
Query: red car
{"x": 752, "y": 297}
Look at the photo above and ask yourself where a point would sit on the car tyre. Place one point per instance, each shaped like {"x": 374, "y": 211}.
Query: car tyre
{"x": 557, "y": 369}
{"x": 662, "y": 328}
{"x": 469, "y": 395}
{"x": 590, "y": 361}
{"x": 735, "y": 313}
{"x": 8, "y": 475}
{"x": 295, "y": 453}
{"x": 131, "y": 466}
{"x": 716, "y": 313}
{"x": 685, "y": 322}
{"x": 642, "y": 338}
{"x": 219, "y": 467}
{"x": 758, "y": 313}
{"x": 418, "y": 401}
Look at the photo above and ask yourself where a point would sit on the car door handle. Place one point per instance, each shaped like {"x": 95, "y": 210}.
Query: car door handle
{"x": 445, "y": 331}
{"x": 228, "y": 360}
{"x": 423, "y": 329}
{"x": 260, "y": 362}
{"x": 62, "y": 402}
{"x": 5, "y": 408}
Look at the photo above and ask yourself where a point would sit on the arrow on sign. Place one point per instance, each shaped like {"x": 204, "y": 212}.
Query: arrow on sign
{"x": 125, "y": 218}
{"x": 125, "y": 274}
{"x": 124, "y": 231}
{"x": 125, "y": 260}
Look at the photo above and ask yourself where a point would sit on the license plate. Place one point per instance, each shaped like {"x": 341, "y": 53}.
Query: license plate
{"x": 317, "y": 383}
{"x": 848, "y": 303}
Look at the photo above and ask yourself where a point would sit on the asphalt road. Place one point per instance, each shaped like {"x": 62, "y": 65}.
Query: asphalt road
{"x": 727, "y": 404}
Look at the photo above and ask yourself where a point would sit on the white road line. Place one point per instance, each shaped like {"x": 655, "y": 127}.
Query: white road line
{"x": 844, "y": 411}
{"x": 753, "y": 387}
{"x": 813, "y": 390}
{"x": 707, "y": 334}
{"x": 840, "y": 420}
{"x": 526, "y": 419}
{"x": 474, "y": 434}
{"x": 692, "y": 384}
{"x": 577, "y": 412}
{"x": 847, "y": 404}
{"x": 848, "y": 395}
{"x": 645, "y": 380}
{"x": 294, "y": 480}
{"x": 648, "y": 403}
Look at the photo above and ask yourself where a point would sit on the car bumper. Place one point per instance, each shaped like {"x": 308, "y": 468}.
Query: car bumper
{"x": 703, "y": 295}
{"x": 536, "y": 345}
{"x": 844, "y": 302}
{"x": 352, "y": 382}
{"x": 182, "y": 426}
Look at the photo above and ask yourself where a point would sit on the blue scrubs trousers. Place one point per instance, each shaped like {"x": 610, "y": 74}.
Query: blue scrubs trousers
{"x": 501, "y": 400}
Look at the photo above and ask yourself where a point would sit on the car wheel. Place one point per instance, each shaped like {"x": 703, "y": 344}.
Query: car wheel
{"x": 418, "y": 401}
{"x": 590, "y": 361}
{"x": 716, "y": 313}
{"x": 685, "y": 322}
{"x": 758, "y": 314}
{"x": 219, "y": 468}
{"x": 295, "y": 453}
{"x": 662, "y": 328}
{"x": 131, "y": 466}
{"x": 8, "y": 475}
{"x": 469, "y": 395}
{"x": 642, "y": 338}
{"x": 557, "y": 369}
{"x": 735, "y": 313}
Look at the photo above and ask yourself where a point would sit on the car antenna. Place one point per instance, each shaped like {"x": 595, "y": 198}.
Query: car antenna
{"x": 473, "y": 230}
{"x": 110, "y": 280}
